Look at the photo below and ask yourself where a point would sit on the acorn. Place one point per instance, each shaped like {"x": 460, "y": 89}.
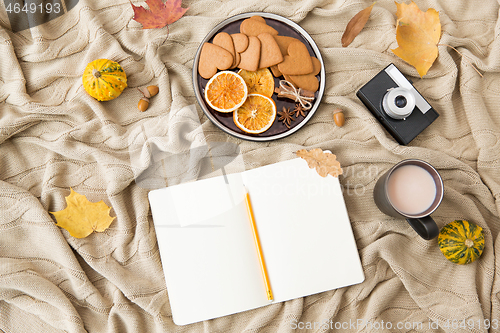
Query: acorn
{"x": 143, "y": 104}
{"x": 153, "y": 90}
{"x": 147, "y": 93}
{"x": 338, "y": 117}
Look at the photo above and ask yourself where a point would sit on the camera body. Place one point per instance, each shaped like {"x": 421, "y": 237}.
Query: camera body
{"x": 393, "y": 100}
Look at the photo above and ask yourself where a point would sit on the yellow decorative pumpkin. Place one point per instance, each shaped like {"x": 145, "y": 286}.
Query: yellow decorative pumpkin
{"x": 104, "y": 79}
{"x": 461, "y": 241}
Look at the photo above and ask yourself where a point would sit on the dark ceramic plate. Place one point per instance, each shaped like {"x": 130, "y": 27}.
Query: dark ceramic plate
{"x": 278, "y": 130}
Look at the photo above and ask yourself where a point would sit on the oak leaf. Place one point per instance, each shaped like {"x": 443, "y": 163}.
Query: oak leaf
{"x": 325, "y": 163}
{"x": 355, "y": 25}
{"x": 81, "y": 217}
{"x": 159, "y": 14}
{"x": 418, "y": 34}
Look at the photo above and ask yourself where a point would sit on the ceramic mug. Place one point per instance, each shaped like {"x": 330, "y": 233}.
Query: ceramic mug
{"x": 411, "y": 189}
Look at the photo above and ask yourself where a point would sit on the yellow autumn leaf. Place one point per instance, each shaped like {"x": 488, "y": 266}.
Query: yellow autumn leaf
{"x": 325, "y": 163}
{"x": 418, "y": 34}
{"x": 81, "y": 217}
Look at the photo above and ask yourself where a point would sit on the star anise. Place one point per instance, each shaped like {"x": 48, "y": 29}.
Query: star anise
{"x": 299, "y": 111}
{"x": 286, "y": 116}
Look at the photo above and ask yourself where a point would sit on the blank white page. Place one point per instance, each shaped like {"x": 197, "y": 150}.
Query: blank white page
{"x": 211, "y": 268}
{"x": 201, "y": 200}
{"x": 304, "y": 229}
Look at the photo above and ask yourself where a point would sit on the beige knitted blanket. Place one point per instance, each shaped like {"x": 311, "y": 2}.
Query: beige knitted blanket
{"x": 54, "y": 136}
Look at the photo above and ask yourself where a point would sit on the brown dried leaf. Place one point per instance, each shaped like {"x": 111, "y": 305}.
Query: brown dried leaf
{"x": 355, "y": 25}
{"x": 325, "y": 163}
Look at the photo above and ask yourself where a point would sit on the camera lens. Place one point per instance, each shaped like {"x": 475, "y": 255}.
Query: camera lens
{"x": 400, "y": 101}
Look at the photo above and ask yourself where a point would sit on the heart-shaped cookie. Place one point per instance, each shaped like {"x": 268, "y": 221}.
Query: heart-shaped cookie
{"x": 224, "y": 40}
{"x": 270, "y": 53}
{"x": 298, "y": 61}
{"x": 254, "y": 27}
{"x": 308, "y": 81}
{"x": 213, "y": 57}
{"x": 258, "y": 18}
{"x": 236, "y": 62}
{"x": 305, "y": 82}
{"x": 240, "y": 42}
{"x": 251, "y": 57}
{"x": 284, "y": 42}
{"x": 276, "y": 71}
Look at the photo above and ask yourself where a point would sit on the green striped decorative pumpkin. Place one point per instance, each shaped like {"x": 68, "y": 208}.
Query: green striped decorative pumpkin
{"x": 104, "y": 79}
{"x": 461, "y": 241}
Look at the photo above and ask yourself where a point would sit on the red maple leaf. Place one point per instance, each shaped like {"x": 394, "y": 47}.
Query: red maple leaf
{"x": 159, "y": 14}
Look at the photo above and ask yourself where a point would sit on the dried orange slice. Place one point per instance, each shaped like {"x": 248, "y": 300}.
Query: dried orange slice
{"x": 259, "y": 82}
{"x": 256, "y": 115}
{"x": 226, "y": 91}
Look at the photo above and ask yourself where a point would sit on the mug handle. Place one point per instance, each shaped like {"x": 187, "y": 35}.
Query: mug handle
{"x": 425, "y": 227}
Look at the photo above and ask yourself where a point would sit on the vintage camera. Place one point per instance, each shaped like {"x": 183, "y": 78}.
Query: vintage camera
{"x": 397, "y": 104}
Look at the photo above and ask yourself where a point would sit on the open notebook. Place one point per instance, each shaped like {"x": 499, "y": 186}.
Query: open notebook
{"x": 207, "y": 248}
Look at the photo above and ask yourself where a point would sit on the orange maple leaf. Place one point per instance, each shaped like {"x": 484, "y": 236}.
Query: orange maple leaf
{"x": 418, "y": 34}
{"x": 159, "y": 14}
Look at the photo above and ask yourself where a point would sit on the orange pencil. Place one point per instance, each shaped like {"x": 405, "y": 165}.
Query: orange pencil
{"x": 269, "y": 292}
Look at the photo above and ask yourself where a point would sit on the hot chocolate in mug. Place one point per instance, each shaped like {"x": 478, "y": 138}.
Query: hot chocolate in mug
{"x": 411, "y": 189}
